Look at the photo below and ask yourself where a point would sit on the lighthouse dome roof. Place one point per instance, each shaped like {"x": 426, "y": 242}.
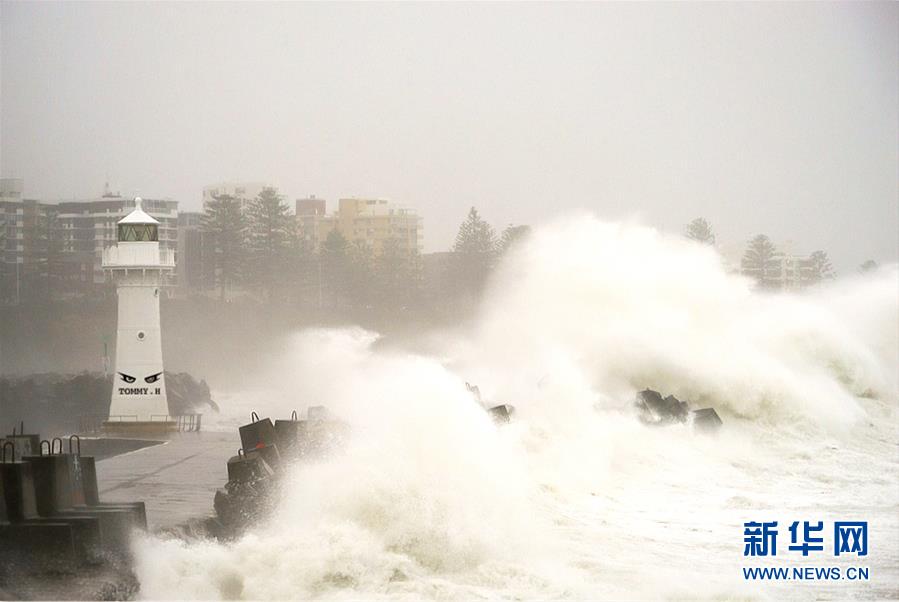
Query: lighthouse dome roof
{"x": 138, "y": 216}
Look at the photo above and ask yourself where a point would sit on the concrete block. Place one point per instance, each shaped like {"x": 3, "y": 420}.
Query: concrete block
{"x": 289, "y": 435}
{"x": 18, "y": 487}
{"x": 258, "y": 434}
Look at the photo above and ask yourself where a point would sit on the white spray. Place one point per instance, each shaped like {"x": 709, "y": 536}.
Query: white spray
{"x": 576, "y": 499}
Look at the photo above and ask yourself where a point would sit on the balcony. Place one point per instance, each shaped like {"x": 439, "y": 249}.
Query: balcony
{"x": 138, "y": 255}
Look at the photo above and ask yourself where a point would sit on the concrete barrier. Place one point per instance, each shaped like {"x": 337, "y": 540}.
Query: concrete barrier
{"x": 706, "y": 420}
{"x": 52, "y": 483}
{"x": 18, "y": 485}
{"x": 32, "y": 541}
{"x": 289, "y": 435}
{"x": 259, "y": 436}
{"x": 254, "y": 474}
{"x": 51, "y": 516}
{"x": 58, "y": 485}
{"x": 50, "y": 545}
{"x": 501, "y": 414}
{"x": 78, "y": 537}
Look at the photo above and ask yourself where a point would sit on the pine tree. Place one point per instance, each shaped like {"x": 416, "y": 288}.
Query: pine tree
{"x": 512, "y": 235}
{"x": 475, "y": 252}
{"x": 225, "y": 225}
{"x": 334, "y": 267}
{"x": 821, "y": 269}
{"x": 700, "y": 231}
{"x": 414, "y": 279}
{"x": 398, "y": 276}
{"x": 271, "y": 234}
{"x": 759, "y": 261}
{"x": 360, "y": 277}
{"x": 298, "y": 274}
{"x": 475, "y": 236}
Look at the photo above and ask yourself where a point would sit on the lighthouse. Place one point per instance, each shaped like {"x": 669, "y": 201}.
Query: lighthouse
{"x": 138, "y": 266}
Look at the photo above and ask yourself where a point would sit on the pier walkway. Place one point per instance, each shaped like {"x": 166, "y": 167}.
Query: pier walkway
{"x": 176, "y": 479}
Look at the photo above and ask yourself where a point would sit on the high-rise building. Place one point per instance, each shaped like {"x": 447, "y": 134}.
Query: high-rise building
{"x": 372, "y": 222}
{"x": 26, "y": 243}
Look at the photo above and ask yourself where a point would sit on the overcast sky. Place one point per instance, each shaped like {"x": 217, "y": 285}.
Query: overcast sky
{"x": 770, "y": 118}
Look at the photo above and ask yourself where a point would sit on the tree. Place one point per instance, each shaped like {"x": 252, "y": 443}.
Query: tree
{"x": 359, "y": 276}
{"x": 475, "y": 251}
{"x": 512, "y": 235}
{"x": 820, "y": 266}
{"x": 226, "y": 228}
{"x": 299, "y": 271}
{"x": 759, "y": 261}
{"x": 271, "y": 234}
{"x": 700, "y": 231}
{"x": 413, "y": 287}
{"x": 398, "y": 276}
{"x": 868, "y": 266}
{"x": 333, "y": 266}
{"x": 475, "y": 236}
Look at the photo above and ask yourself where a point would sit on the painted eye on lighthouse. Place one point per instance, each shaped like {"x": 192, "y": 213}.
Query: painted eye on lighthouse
{"x": 127, "y": 378}
{"x": 152, "y": 378}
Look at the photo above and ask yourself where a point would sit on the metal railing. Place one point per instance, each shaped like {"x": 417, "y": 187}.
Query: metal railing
{"x": 187, "y": 423}
{"x": 122, "y": 418}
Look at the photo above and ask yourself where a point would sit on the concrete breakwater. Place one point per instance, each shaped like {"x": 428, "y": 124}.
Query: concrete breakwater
{"x": 53, "y": 524}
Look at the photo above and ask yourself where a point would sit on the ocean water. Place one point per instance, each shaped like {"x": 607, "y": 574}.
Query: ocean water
{"x": 575, "y": 499}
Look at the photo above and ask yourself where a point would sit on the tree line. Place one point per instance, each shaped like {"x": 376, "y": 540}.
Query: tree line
{"x": 763, "y": 262}
{"x": 257, "y": 246}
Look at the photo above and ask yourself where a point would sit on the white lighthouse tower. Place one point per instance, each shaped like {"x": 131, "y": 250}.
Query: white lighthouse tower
{"x": 138, "y": 266}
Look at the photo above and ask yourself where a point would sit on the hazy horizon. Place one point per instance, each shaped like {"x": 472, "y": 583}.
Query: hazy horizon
{"x": 771, "y": 118}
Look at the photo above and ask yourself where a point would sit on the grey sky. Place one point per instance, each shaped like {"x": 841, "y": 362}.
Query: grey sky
{"x": 764, "y": 118}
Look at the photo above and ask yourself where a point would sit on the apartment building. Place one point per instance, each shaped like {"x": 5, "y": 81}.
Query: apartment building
{"x": 371, "y": 221}
{"x": 26, "y": 241}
